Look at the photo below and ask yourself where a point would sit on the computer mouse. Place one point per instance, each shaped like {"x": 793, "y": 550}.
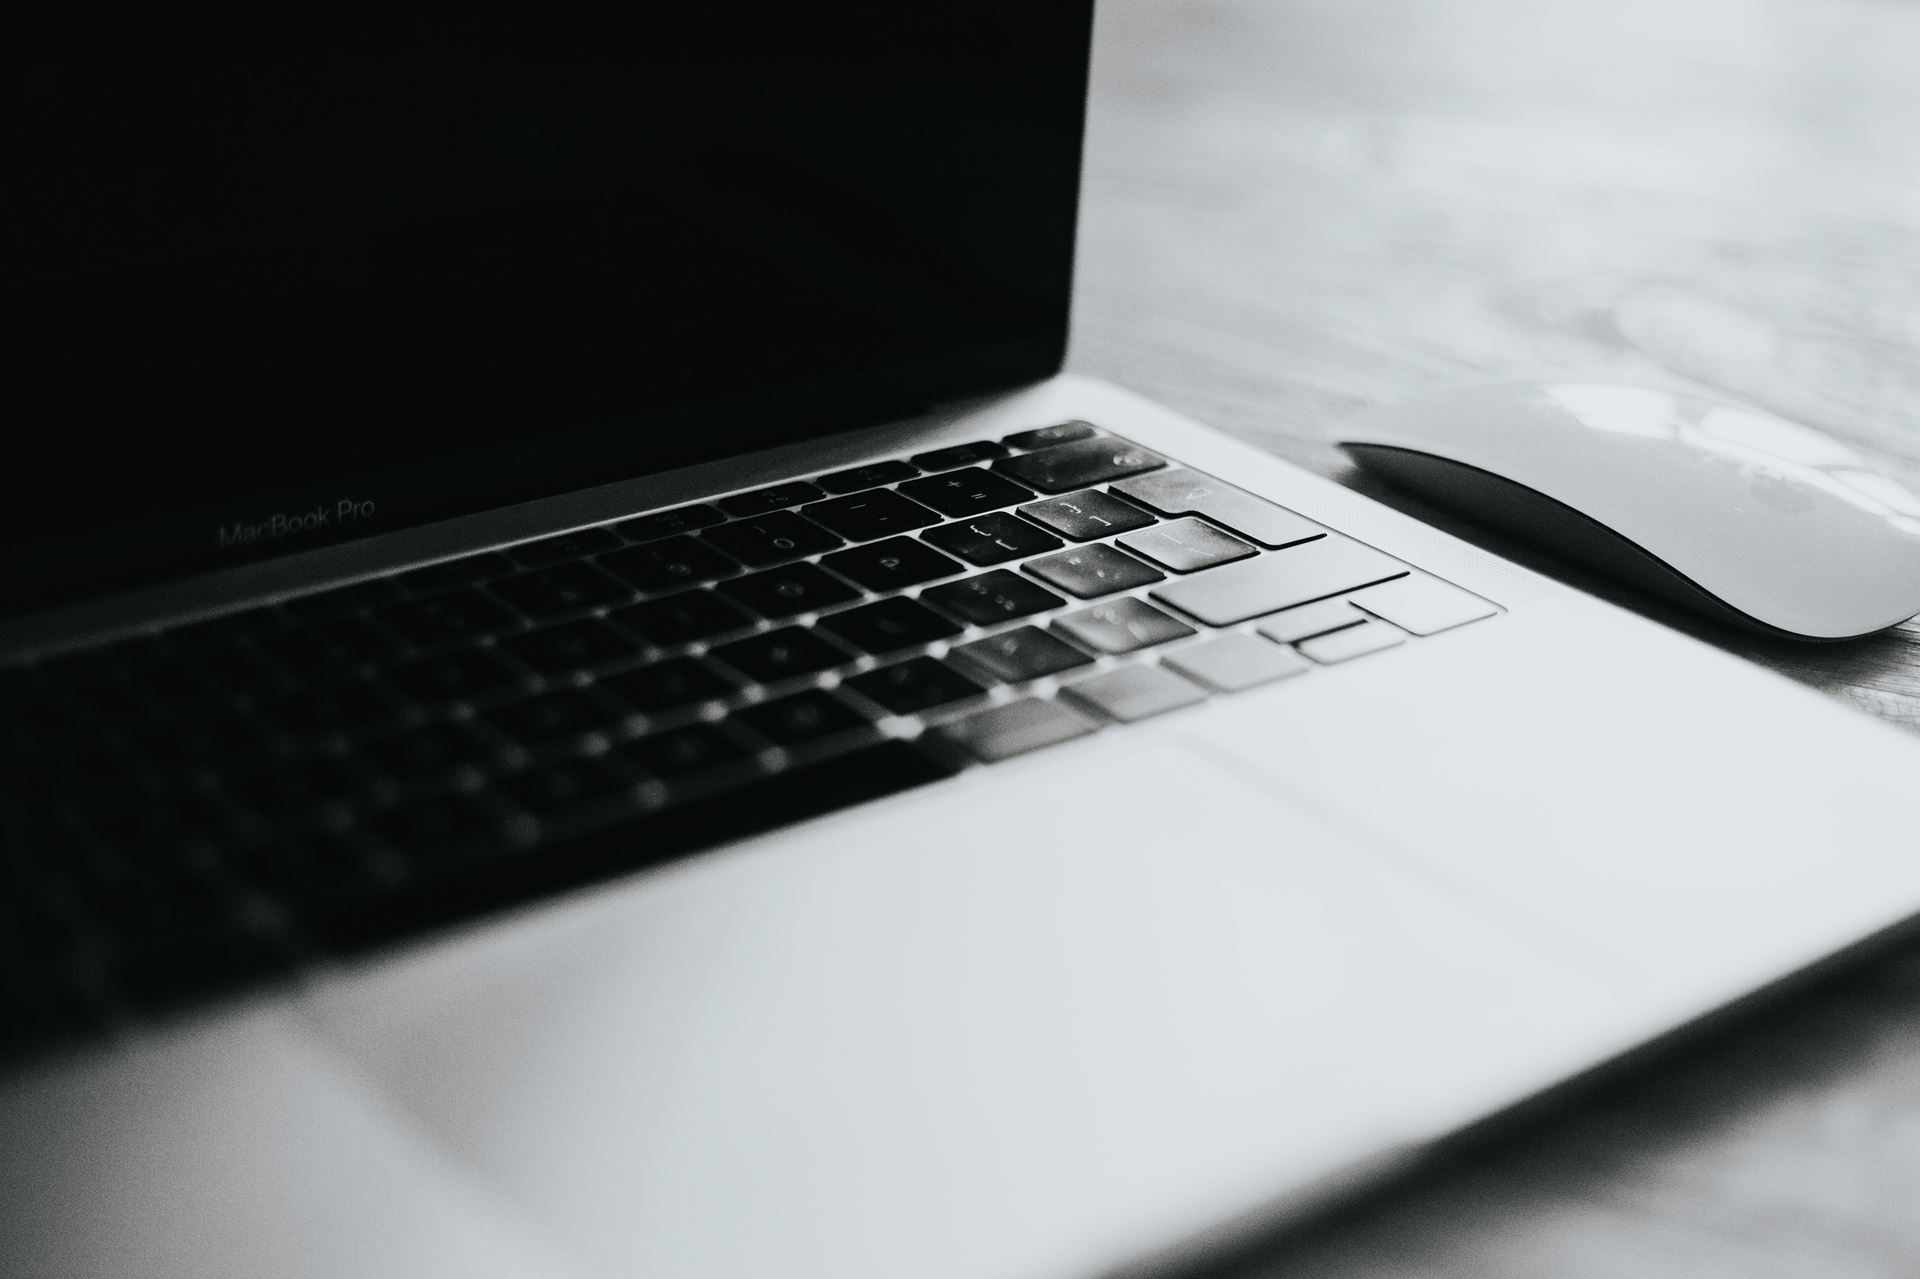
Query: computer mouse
{"x": 1739, "y": 515}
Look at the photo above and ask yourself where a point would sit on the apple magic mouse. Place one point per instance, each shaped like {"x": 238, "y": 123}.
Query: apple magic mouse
{"x": 1738, "y": 515}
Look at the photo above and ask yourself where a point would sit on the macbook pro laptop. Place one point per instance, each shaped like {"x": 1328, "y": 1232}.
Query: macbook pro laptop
{"x": 582, "y": 697}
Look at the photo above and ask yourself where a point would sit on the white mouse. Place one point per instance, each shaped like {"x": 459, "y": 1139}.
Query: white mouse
{"x": 1741, "y": 516}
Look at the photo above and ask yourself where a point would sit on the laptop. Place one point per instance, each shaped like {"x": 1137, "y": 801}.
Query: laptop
{"x": 583, "y": 697}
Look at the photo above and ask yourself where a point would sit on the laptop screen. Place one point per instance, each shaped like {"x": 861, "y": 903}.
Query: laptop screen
{"x": 291, "y": 277}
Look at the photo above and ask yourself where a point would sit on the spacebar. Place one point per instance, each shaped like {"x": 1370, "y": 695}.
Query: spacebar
{"x": 761, "y": 805}
{"x": 1281, "y": 579}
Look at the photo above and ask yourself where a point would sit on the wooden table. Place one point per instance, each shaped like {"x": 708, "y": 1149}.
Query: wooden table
{"x": 1297, "y": 208}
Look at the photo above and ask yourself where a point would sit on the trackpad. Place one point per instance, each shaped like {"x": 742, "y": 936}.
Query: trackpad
{"x": 1030, "y": 1021}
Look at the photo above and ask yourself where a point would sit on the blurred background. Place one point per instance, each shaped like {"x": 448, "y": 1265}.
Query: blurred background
{"x": 1298, "y": 207}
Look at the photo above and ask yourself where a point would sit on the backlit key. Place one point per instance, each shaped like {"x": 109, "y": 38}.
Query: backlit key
{"x": 1187, "y": 546}
{"x": 1135, "y": 692}
{"x": 1191, "y": 493}
{"x": 1253, "y": 588}
{"x": 1001, "y": 732}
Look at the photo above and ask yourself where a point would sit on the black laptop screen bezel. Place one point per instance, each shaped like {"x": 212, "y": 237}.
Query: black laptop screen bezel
{"x": 49, "y": 560}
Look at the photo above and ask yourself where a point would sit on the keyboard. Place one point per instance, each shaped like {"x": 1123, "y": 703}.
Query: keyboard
{"x": 215, "y": 804}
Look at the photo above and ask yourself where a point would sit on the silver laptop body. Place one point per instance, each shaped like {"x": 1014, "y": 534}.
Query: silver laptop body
{"x": 1074, "y": 1011}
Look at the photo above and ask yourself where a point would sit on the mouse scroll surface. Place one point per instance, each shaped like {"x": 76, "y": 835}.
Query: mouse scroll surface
{"x": 1739, "y": 515}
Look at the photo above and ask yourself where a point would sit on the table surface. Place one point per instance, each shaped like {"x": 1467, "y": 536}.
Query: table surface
{"x": 1294, "y": 209}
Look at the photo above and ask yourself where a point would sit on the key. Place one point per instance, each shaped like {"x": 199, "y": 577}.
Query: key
{"x": 143, "y": 895}
{"x": 993, "y": 597}
{"x": 965, "y": 492}
{"x": 669, "y": 564}
{"x": 891, "y": 565}
{"x": 683, "y": 519}
{"x": 554, "y": 789}
{"x": 1093, "y": 571}
{"x": 1353, "y": 641}
{"x": 1078, "y": 464}
{"x": 682, "y": 752}
{"x": 311, "y": 873}
{"x": 182, "y": 817}
{"x": 450, "y": 617}
{"x": 778, "y": 497}
{"x": 1086, "y": 515}
{"x": 344, "y": 706}
{"x": 109, "y": 697}
{"x": 328, "y": 647}
{"x": 457, "y": 676}
{"x": 1231, "y": 663}
{"x": 1122, "y": 626}
{"x": 1047, "y": 436}
{"x": 683, "y": 618}
{"x": 581, "y": 645}
{"x": 788, "y": 591}
{"x": 171, "y": 678}
{"x": 1309, "y": 571}
{"x": 1309, "y": 620}
{"x": 959, "y": 455}
{"x": 992, "y": 539}
{"x": 1180, "y": 492}
{"x": 872, "y": 475}
{"x": 757, "y": 804}
{"x": 782, "y": 654}
{"x": 1424, "y": 605}
{"x": 553, "y": 717}
{"x": 771, "y": 539}
{"x": 564, "y": 547}
{"x": 207, "y": 733}
{"x": 451, "y": 573}
{"x": 277, "y": 791}
{"x": 1001, "y": 732}
{"x": 803, "y": 717}
{"x": 1021, "y": 654}
{"x": 435, "y": 826}
{"x": 862, "y": 517}
{"x": 915, "y": 685}
{"x": 1135, "y": 692}
{"x": 1187, "y": 546}
{"x": 561, "y": 589}
{"x": 432, "y": 748}
{"x": 889, "y": 625}
{"x": 671, "y": 685}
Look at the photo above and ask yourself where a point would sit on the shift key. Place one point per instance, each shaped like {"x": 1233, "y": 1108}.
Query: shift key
{"x": 1281, "y": 579}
